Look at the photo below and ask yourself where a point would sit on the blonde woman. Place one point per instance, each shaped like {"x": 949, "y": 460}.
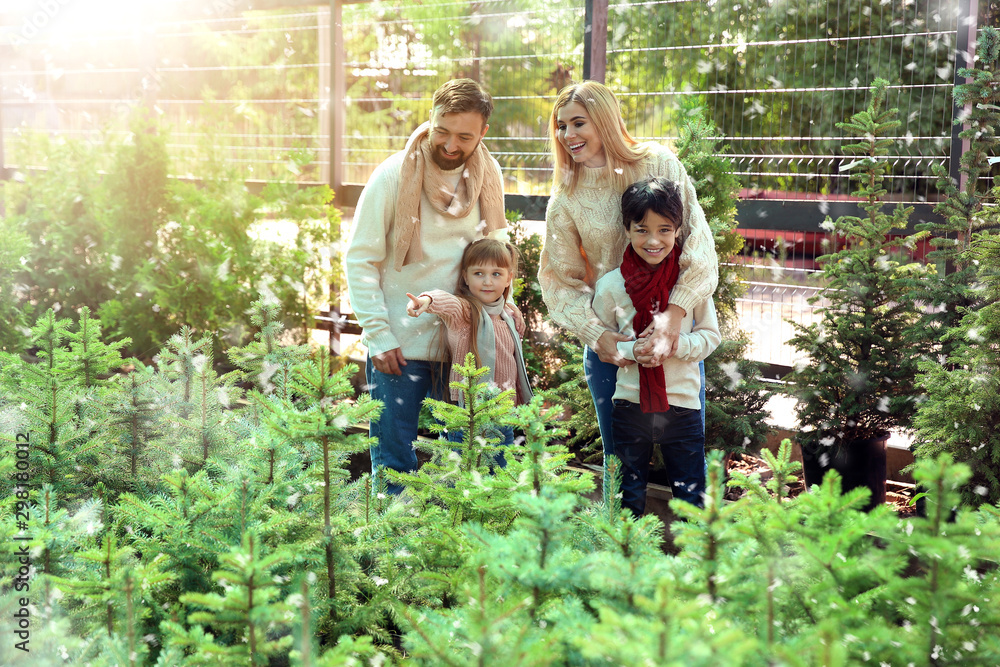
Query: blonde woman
{"x": 595, "y": 159}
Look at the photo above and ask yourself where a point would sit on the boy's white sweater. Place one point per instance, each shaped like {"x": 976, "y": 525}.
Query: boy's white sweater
{"x": 614, "y": 307}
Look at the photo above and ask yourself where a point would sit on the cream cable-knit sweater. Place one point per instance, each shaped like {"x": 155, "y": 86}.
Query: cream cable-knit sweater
{"x": 376, "y": 290}
{"x": 585, "y": 239}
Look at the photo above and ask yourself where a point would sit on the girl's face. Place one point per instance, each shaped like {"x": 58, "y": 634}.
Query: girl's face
{"x": 487, "y": 282}
{"x": 578, "y": 135}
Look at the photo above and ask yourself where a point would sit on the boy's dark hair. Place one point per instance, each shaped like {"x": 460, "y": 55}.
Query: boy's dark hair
{"x": 462, "y": 95}
{"x": 656, "y": 194}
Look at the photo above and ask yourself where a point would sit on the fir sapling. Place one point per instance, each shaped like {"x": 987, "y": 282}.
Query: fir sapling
{"x": 90, "y": 359}
{"x": 319, "y": 421}
{"x": 705, "y": 533}
{"x": 488, "y": 629}
{"x": 858, "y": 380}
{"x": 665, "y": 628}
{"x": 458, "y": 474}
{"x": 265, "y": 362}
{"x": 178, "y": 360}
{"x": 963, "y": 407}
{"x": 201, "y": 425}
{"x": 246, "y": 611}
{"x": 188, "y": 522}
{"x": 967, "y": 207}
{"x": 948, "y": 610}
{"x": 134, "y": 408}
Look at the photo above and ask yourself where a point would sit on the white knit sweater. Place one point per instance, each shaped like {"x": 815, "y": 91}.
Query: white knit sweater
{"x": 585, "y": 239}
{"x": 699, "y": 338}
{"x": 377, "y": 292}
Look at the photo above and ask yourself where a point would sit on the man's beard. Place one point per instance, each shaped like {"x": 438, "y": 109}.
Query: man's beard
{"x": 448, "y": 163}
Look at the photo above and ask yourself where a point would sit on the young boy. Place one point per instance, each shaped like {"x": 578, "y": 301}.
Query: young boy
{"x": 655, "y": 404}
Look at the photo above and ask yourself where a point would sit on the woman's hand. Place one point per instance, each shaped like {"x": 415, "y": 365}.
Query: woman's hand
{"x": 607, "y": 348}
{"x": 418, "y": 305}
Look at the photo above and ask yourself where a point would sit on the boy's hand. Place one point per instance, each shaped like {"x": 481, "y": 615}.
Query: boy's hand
{"x": 663, "y": 334}
{"x": 643, "y": 352}
{"x": 418, "y": 304}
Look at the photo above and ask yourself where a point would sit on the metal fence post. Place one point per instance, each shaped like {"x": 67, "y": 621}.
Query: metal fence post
{"x": 595, "y": 40}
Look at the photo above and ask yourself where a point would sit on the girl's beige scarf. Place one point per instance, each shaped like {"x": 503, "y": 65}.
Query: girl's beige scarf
{"x": 421, "y": 174}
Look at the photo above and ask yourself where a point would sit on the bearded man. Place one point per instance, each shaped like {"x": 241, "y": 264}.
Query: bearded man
{"x": 416, "y": 214}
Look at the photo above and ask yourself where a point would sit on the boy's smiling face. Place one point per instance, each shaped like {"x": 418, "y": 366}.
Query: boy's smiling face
{"x": 652, "y": 238}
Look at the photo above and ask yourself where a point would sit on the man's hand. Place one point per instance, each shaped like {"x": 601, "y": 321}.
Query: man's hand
{"x": 390, "y": 362}
{"x": 607, "y": 348}
{"x": 418, "y": 304}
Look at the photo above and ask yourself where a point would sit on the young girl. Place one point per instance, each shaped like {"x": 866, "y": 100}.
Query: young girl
{"x": 479, "y": 319}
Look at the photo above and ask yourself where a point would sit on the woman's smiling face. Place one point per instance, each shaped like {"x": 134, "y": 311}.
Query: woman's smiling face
{"x": 578, "y": 135}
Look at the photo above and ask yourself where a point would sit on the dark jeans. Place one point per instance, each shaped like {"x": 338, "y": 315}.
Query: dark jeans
{"x": 506, "y": 435}
{"x": 601, "y": 378}
{"x": 402, "y": 396}
{"x": 681, "y": 437}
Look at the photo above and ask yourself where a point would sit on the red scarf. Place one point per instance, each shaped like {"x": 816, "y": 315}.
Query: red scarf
{"x": 649, "y": 288}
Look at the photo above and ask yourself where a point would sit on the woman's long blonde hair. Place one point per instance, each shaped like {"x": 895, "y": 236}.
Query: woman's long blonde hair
{"x": 622, "y": 152}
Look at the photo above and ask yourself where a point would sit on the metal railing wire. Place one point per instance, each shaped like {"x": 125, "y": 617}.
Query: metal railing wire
{"x": 775, "y": 78}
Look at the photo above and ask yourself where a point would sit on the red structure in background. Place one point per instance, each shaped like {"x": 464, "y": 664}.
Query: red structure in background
{"x": 797, "y": 248}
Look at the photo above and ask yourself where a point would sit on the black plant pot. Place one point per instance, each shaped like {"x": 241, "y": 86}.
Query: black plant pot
{"x": 859, "y": 462}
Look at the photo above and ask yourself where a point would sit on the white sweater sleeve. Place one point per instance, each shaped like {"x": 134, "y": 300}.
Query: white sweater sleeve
{"x": 365, "y": 259}
{"x": 614, "y": 308}
{"x": 704, "y": 336}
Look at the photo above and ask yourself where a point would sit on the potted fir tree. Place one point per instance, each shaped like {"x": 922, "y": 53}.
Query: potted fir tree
{"x": 858, "y": 380}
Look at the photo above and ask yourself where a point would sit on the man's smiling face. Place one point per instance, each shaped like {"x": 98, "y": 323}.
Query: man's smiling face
{"x": 455, "y": 137}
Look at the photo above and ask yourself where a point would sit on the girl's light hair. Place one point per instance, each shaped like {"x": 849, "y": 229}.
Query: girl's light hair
{"x": 622, "y": 152}
{"x": 478, "y": 253}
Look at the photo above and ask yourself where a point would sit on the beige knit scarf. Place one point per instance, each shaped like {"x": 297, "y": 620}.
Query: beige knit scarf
{"x": 421, "y": 174}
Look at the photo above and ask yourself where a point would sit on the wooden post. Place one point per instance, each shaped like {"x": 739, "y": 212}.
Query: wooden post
{"x": 965, "y": 52}
{"x": 595, "y": 40}
{"x": 324, "y": 35}
{"x": 338, "y": 91}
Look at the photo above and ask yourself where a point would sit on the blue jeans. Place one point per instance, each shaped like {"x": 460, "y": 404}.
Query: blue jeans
{"x": 402, "y": 396}
{"x": 681, "y": 437}
{"x": 601, "y": 379}
{"x": 506, "y": 434}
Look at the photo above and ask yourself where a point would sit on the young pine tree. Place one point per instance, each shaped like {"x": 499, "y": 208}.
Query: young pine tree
{"x": 90, "y": 359}
{"x": 946, "y": 611}
{"x": 859, "y": 379}
{"x": 50, "y": 409}
{"x": 735, "y": 396}
{"x": 114, "y": 588}
{"x": 966, "y": 208}
{"x": 181, "y": 354}
{"x": 319, "y": 419}
{"x": 247, "y": 614}
{"x": 963, "y": 406}
{"x": 962, "y": 409}
{"x": 134, "y": 407}
{"x": 265, "y": 362}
